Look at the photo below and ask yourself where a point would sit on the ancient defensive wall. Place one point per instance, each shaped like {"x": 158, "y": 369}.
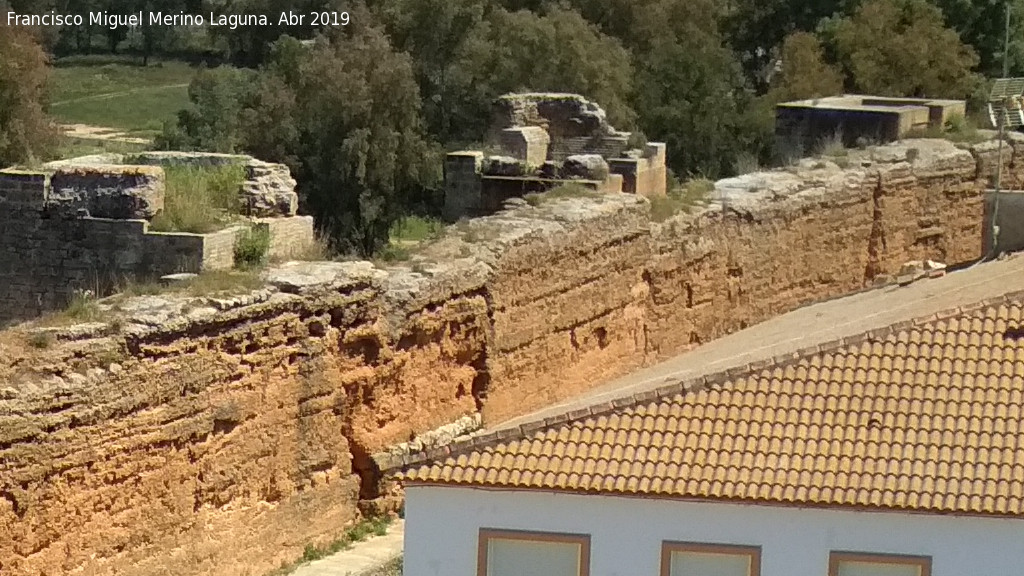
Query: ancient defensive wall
{"x": 214, "y": 436}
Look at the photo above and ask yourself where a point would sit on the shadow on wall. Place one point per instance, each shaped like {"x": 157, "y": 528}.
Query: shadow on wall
{"x": 1006, "y": 210}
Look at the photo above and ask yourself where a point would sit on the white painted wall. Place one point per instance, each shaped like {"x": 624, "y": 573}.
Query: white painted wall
{"x": 442, "y": 526}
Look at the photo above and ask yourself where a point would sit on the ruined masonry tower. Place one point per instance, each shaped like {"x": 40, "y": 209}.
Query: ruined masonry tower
{"x": 546, "y": 140}
{"x": 83, "y": 224}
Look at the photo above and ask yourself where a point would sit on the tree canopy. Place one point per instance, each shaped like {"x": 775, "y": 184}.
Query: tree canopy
{"x": 344, "y": 114}
{"x": 26, "y": 133}
{"x": 359, "y": 112}
{"x": 805, "y": 73}
{"x": 902, "y": 48}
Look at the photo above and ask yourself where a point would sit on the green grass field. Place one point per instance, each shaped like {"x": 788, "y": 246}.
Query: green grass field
{"x": 74, "y": 147}
{"x": 118, "y": 93}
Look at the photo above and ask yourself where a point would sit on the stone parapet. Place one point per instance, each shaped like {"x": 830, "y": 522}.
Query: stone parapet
{"x": 84, "y": 226}
{"x": 106, "y": 191}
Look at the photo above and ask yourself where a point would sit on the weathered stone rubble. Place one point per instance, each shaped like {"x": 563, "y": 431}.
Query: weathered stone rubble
{"x": 503, "y": 166}
{"x": 269, "y": 190}
{"x": 555, "y": 111}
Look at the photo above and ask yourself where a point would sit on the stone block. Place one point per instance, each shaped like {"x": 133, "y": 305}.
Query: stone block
{"x": 655, "y": 152}
{"x": 550, "y": 170}
{"x": 194, "y": 159}
{"x": 21, "y": 191}
{"x": 528, "y": 144}
{"x": 585, "y": 166}
{"x": 462, "y": 173}
{"x": 289, "y": 236}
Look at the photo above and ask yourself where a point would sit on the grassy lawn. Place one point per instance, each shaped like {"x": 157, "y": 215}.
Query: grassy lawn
{"x": 75, "y": 147}
{"x": 119, "y": 93}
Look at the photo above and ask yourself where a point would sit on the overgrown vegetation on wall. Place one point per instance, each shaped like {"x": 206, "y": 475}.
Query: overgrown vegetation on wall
{"x": 199, "y": 199}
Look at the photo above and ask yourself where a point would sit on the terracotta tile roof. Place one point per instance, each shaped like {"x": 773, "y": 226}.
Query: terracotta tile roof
{"x": 920, "y": 416}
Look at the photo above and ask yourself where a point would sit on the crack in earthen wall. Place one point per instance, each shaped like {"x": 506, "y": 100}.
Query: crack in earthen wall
{"x": 876, "y": 242}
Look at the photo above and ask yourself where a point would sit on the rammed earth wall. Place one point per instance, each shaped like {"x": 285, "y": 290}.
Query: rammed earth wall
{"x": 221, "y": 437}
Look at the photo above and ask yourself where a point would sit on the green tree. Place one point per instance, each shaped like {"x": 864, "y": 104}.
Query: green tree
{"x": 250, "y": 45}
{"x": 159, "y": 39}
{"x": 903, "y": 48}
{"x": 561, "y": 51}
{"x": 805, "y": 74}
{"x": 448, "y": 57}
{"x": 26, "y": 132}
{"x": 474, "y": 51}
{"x": 212, "y": 121}
{"x": 356, "y": 138}
{"x": 982, "y": 25}
{"x": 757, "y": 28}
{"x": 343, "y": 114}
{"x": 690, "y": 91}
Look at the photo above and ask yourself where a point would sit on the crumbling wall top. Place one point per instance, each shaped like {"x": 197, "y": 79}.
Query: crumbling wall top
{"x": 562, "y": 115}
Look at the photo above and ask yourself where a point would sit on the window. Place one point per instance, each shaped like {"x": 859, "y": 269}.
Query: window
{"x": 513, "y": 553}
{"x": 691, "y": 559}
{"x": 860, "y": 564}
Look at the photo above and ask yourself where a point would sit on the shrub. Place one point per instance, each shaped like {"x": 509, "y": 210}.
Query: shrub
{"x": 41, "y": 340}
{"x": 832, "y": 146}
{"x": 82, "y": 306}
{"x": 681, "y": 199}
{"x": 747, "y": 163}
{"x": 26, "y": 132}
{"x": 316, "y": 250}
{"x": 416, "y": 229}
{"x": 221, "y": 281}
{"x": 394, "y": 253}
{"x": 252, "y": 247}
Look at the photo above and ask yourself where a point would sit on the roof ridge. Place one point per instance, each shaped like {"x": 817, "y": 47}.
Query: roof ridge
{"x": 393, "y": 462}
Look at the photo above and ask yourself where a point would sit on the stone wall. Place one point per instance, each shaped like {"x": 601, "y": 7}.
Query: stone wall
{"x": 289, "y": 237}
{"x": 462, "y": 184}
{"x": 83, "y": 225}
{"x": 807, "y": 125}
{"x": 220, "y": 437}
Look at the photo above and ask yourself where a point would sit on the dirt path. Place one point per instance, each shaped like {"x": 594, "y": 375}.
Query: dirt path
{"x": 362, "y": 558}
{"x": 87, "y": 132}
{"x": 109, "y": 95}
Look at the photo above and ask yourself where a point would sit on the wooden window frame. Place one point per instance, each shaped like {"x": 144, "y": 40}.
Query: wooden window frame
{"x": 835, "y": 558}
{"x": 487, "y": 534}
{"x": 667, "y": 548}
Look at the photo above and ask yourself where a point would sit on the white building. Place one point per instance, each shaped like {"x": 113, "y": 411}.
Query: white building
{"x": 899, "y": 454}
